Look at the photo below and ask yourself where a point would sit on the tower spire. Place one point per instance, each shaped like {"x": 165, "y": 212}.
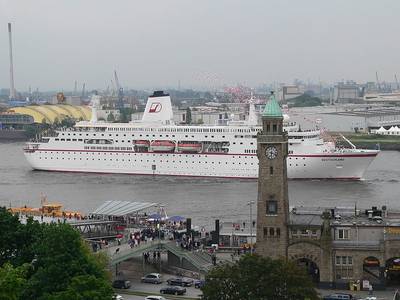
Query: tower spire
{"x": 272, "y": 108}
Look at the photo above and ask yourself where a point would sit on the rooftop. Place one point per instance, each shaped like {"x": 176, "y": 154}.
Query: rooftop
{"x": 345, "y": 216}
{"x": 272, "y": 109}
{"x": 121, "y": 208}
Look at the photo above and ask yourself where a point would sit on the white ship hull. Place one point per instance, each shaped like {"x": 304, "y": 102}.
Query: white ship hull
{"x": 318, "y": 166}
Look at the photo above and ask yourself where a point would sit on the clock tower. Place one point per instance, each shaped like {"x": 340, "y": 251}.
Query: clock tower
{"x": 272, "y": 202}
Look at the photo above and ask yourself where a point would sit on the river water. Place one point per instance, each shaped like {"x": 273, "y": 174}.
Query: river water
{"x": 201, "y": 199}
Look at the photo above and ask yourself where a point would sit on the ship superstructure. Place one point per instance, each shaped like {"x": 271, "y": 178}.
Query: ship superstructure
{"x": 157, "y": 146}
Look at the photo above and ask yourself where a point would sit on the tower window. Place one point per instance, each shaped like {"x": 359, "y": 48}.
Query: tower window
{"x": 265, "y": 231}
{"x": 271, "y": 231}
{"x": 271, "y": 170}
{"x": 274, "y": 128}
{"x": 268, "y": 128}
{"x": 278, "y": 232}
{"x": 272, "y": 207}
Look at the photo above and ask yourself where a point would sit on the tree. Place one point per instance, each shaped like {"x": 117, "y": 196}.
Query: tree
{"x": 188, "y": 115}
{"x": 304, "y": 100}
{"x": 48, "y": 261}
{"x": 9, "y": 228}
{"x": 258, "y": 278}
{"x": 12, "y": 281}
{"x": 84, "y": 287}
{"x": 61, "y": 257}
{"x": 17, "y": 239}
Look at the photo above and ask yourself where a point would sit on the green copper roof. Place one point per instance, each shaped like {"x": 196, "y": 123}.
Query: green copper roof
{"x": 272, "y": 108}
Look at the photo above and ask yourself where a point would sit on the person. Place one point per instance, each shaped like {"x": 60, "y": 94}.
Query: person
{"x": 214, "y": 260}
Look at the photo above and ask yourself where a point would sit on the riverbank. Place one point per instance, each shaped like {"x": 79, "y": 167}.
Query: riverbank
{"x": 370, "y": 141}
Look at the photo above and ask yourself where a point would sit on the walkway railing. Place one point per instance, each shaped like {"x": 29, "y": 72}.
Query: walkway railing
{"x": 120, "y": 253}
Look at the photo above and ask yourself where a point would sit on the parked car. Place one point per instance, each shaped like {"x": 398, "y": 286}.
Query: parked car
{"x": 339, "y": 296}
{"x": 155, "y": 298}
{"x": 198, "y": 284}
{"x": 117, "y": 297}
{"x": 180, "y": 281}
{"x": 152, "y": 278}
{"x": 121, "y": 284}
{"x": 173, "y": 290}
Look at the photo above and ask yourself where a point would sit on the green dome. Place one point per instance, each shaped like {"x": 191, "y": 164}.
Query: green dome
{"x": 272, "y": 109}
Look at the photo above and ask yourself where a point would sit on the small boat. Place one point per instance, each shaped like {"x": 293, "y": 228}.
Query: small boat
{"x": 162, "y": 146}
{"x": 189, "y": 147}
{"x": 47, "y": 210}
{"x": 142, "y": 144}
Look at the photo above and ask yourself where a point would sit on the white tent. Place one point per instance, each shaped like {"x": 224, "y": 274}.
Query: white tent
{"x": 392, "y": 131}
{"x": 396, "y": 130}
{"x": 381, "y": 131}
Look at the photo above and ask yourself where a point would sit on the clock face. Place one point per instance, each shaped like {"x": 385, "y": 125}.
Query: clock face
{"x": 271, "y": 152}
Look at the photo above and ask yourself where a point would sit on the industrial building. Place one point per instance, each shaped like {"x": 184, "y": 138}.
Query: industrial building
{"x": 347, "y": 92}
{"x": 53, "y": 113}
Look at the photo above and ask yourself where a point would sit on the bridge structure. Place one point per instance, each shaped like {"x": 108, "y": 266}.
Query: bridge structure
{"x": 177, "y": 256}
{"x": 96, "y": 229}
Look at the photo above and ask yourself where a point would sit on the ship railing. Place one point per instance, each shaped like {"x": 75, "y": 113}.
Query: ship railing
{"x": 31, "y": 147}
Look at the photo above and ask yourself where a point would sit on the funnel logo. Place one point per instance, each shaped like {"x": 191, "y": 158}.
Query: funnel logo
{"x": 155, "y": 107}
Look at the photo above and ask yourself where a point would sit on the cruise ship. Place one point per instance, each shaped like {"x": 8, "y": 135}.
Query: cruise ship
{"x": 155, "y": 145}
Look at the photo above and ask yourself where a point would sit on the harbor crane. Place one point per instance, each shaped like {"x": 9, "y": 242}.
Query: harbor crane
{"x": 377, "y": 81}
{"x": 120, "y": 91}
{"x": 83, "y": 90}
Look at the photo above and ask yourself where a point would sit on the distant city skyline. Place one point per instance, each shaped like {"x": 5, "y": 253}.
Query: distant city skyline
{"x": 196, "y": 44}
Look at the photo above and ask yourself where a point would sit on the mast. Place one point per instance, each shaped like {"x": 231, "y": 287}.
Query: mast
{"x": 12, "y": 88}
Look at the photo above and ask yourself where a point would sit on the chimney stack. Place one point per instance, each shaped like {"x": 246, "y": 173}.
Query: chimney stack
{"x": 12, "y": 89}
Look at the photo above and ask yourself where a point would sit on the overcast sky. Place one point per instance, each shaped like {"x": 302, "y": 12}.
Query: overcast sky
{"x": 201, "y": 43}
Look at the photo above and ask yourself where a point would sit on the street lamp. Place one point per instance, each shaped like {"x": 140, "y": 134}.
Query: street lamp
{"x": 160, "y": 206}
{"x": 250, "y": 204}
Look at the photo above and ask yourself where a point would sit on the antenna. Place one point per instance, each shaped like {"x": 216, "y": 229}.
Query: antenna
{"x": 12, "y": 88}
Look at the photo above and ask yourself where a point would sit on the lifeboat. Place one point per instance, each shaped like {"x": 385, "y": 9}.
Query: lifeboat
{"x": 141, "y": 144}
{"x": 189, "y": 147}
{"x": 162, "y": 146}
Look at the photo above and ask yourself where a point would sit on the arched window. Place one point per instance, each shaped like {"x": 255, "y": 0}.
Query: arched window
{"x": 272, "y": 207}
{"x": 271, "y": 231}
